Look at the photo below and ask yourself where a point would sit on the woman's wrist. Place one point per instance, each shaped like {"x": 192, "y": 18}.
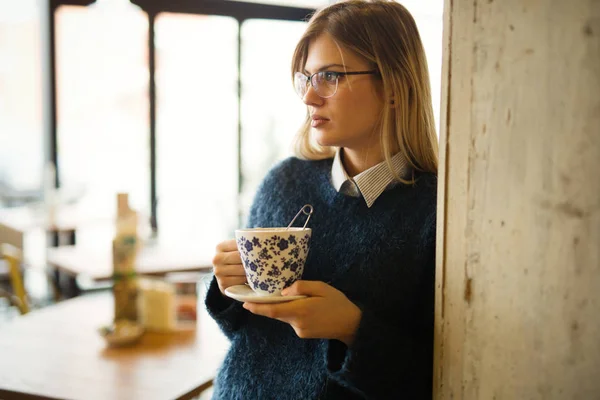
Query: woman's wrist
{"x": 354, "y": 317}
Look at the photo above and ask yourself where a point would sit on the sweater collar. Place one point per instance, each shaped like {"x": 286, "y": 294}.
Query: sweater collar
{"x": 369, "y": 184}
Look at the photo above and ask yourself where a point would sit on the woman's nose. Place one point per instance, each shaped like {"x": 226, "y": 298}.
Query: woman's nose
{"x": 311, "y": 98}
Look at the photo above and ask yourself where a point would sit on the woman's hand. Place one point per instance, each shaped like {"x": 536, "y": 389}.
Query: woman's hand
{"x": 227, "y": 265}
{"x": 326, "y": 314}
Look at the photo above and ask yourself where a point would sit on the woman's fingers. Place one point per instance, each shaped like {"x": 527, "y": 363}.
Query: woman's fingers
{"x": 225, "y": 258}
{"x": 229, "y": 270}
{"x": 229, "y": 281}
{"x": 232, "y": 257}
{"x": 226, "y": 246}
{"x": 227, "y": 265}
{"x": 307, "y": 288}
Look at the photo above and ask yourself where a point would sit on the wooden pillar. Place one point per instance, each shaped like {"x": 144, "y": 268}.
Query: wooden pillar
{"x": 518, "y": 272}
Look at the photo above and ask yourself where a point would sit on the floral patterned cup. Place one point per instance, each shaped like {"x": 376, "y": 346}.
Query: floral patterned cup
{"x": 273, "y": 258}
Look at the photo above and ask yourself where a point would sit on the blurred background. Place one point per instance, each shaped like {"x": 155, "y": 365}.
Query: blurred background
{"x": 206, "y": 172}
{"x": 183, "y": 105}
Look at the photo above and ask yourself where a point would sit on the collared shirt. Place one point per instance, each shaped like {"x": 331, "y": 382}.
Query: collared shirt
{"x": 369, "y": 184}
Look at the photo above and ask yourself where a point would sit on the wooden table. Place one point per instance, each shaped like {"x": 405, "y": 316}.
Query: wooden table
{"x": 96, "y": 263}
{"x": 56, "y": 352}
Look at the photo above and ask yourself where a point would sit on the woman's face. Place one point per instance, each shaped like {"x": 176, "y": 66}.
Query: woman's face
{"x": 348, "y": 118}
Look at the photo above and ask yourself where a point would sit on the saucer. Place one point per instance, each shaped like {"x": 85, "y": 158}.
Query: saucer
{"x": 244, "y": 293}
{"x": 121, "y": 333}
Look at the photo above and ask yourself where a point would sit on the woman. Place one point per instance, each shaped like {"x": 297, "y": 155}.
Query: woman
{"x": 367, "y": 164}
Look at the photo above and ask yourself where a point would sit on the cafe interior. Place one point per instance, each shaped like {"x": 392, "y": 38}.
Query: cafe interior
{"x": 151, "y": 118}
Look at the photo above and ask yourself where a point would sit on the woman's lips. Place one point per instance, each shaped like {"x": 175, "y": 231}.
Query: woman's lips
{"x": 318, "y": 121}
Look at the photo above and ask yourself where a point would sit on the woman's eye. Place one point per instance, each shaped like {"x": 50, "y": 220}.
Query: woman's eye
{"x": 330, "y": 76}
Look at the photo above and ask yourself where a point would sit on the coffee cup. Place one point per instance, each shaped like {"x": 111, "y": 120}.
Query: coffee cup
{"x": 273, "y": 258}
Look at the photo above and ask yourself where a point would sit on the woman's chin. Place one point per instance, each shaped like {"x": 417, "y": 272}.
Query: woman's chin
{"x": 324, "y": 139}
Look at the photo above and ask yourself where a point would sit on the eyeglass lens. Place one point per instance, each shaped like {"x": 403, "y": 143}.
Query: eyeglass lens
{"x": 324, "y": 83}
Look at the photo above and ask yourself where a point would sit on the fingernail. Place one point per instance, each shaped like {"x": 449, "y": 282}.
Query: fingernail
{"x": 284, "y": 292}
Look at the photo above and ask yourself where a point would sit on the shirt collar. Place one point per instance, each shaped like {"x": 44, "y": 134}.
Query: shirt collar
{"x": 369, "y": 184}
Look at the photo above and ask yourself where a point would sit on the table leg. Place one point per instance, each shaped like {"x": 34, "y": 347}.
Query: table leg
{"x": 52, "y": 238}
{"x": 71, "y": 287}
{"x": 65, "y": 285}
{"x": 71, "y": 236}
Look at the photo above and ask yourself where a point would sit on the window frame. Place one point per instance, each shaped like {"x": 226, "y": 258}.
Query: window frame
{"x": 240, "y": 11}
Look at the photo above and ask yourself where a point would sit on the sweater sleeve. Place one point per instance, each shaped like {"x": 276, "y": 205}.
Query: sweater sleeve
{"x": 388, "y": 356}
{"x": 228, "y": 313}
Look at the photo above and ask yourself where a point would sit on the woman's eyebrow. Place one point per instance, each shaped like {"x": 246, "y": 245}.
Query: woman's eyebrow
{"x": 324, "y": 67}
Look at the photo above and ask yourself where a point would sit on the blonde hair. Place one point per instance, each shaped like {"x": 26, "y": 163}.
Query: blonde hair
{"x": 384, "y": 33}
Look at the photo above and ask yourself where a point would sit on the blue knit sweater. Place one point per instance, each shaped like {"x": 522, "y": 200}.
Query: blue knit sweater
{"x": 382, "y": 258}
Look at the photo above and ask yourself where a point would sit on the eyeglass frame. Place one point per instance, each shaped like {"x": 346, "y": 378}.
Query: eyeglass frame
{"x": 338, "y": 75}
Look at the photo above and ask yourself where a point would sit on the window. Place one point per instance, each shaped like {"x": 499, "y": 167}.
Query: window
{"x": 197, "y": 121}
{"x": 271, "y": 111}
{"x": 429, "y": 18}
{"x": 102, "y": 103}
{"x": 21, "y": 90}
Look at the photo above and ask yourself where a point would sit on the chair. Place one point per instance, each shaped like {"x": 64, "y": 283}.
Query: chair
{"x": 13, "y": 238}
{"x": 13, "y": 258}
{"x": 12, "y": 286}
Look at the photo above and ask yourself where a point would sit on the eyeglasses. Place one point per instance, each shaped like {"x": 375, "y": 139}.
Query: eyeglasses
{"x": 325, "y": 83}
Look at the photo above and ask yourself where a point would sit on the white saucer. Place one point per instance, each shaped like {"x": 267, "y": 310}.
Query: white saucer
{"x": 244, "y": 293}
